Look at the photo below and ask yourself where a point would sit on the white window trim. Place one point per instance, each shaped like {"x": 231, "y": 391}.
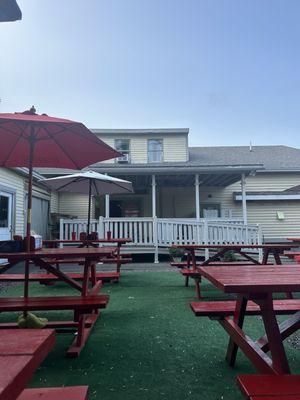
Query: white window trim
{"x": 163, "y": 150}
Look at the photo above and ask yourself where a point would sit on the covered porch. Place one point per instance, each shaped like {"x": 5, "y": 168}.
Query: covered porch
{"x": 172, "y": 206}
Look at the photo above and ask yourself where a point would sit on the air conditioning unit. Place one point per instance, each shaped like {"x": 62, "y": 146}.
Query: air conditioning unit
{"x": 124, "y": 159}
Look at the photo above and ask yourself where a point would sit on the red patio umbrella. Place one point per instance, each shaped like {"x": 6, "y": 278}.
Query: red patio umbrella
{"x": 31, "y": 140}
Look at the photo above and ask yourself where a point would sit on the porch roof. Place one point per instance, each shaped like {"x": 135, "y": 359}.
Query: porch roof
{"x": 179, "y": 174}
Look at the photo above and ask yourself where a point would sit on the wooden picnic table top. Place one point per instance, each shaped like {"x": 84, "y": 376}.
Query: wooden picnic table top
{"x": 270, "y": 246}
{"x": 21, "y": 352}
{"x": 254, "y": 279}
{"x": 69, "y": 252}
{"x": 292, "y": 253}
{"x": 105, "y": 240}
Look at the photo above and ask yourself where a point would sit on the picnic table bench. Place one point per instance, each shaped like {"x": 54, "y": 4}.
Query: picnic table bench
{"x": 21, "y": 352}
{"x": 100, "y": 276}
{"x": 269, "y": 387}
{"x": 258, "y": 283}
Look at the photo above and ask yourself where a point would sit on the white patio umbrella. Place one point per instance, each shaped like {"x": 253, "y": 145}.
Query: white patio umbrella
{"x": 90, "y": 182}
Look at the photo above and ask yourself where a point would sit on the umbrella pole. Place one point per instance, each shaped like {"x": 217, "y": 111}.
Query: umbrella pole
{"x": 29, "y": 207}
{"x": 89, "y": 209}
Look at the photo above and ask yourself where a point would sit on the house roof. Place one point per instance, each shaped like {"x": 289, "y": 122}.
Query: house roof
{"x": 273, "y": 158}
{"x": 139, "y": 132}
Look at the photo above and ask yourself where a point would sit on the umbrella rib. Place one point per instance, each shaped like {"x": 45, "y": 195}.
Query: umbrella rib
{"x": 13, "y": 147}
{"x": 67, "y": 184}
{"x": 93, "y": 138}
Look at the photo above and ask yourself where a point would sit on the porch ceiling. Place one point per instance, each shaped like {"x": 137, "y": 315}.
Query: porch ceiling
{"x": 142, "y": 183}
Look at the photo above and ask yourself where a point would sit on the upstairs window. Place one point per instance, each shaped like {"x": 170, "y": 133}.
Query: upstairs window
{"x": 155, "y": 151}
{"x": 123, "y": 146}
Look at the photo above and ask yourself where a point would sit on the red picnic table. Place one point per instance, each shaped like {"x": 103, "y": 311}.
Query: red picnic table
{"x": 119, "y": 242}
{"x": 85, "y": 307}
{"x": 277, "y": 250}
{"x": 257, "y": 283}
{"x": 21, "y": 352}
{"x": 191, "y": 267}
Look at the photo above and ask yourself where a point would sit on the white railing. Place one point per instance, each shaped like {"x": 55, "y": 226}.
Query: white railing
{"x": 164, "y": 232}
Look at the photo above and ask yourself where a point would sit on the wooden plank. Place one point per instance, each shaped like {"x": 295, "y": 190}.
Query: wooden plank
{"x": 227, "y": 307}
{"x": 16, "y": 372}
{"x": 53, "y": 303}
{"x": 267, "y": 385}
{"x": 62, "y": 393}
{"x": 254, "y": 279}
{"x": 25, "y": 341}
{"x": 17, "y": 369}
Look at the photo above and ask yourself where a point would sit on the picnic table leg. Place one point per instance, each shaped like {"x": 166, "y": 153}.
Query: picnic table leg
{"x": 277, "y": 258}
{"x": 197, "y": 285}
{"x": 188, "y": 262}
{"x": 214, "y": 257}
{"x": 286, "y": 328}
{"x": 280, "y": 362}
{"x": 119, "y": 257}
{"x": 239, "y": 316}
{"x": 86, "y": 276}
{"x": 265, "y": 256}
{"x": 276, "y": 254}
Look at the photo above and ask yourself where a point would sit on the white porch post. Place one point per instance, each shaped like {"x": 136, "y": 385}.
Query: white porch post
{"x": 244, "y": 202}
{"x": 197, "y": 196}
{"x": 153, "y": 184}
{"x": 107, "y": 206}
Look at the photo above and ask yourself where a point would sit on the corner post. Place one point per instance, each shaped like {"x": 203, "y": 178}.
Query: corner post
{"x": 244, "y": 202}
{"x": 154, "y": 218}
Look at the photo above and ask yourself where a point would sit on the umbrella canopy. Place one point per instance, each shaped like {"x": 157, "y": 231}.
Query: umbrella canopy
{"x": 31, "y": 140}
{"x": 89, "y": 182}
{"x": 56, "y": 142}
{"x": 80, "y": 183}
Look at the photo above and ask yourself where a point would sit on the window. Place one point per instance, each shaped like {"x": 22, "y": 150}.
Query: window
{"x": 123, "y": 146}
{"x": 155, "y": 150}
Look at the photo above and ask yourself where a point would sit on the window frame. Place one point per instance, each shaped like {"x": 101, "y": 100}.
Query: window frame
{"x": 161, "y": 140}
{"x": 117, "y": 160}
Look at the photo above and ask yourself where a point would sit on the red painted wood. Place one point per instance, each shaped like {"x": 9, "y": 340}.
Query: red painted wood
{"x": 16, "y": 372}
{"x": 254, "y": 279}
{"x": 268, "y": 385}
{"x": 19, "y": 359}
{"x": 25, "y": 341}
{"x": 93, "y": 253}
{"x": 51, "y": 393}
{"x": 112, "y": 240}
{"x": 53, "y": 303}
{"x": 237, "y": 246}
{"x": 51, "y": 277}
{"x": 275, "y": 397}
{"x": 227, "y": 307}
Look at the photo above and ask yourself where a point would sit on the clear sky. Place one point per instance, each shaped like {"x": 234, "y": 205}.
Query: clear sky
{"x": 227, "y": 69}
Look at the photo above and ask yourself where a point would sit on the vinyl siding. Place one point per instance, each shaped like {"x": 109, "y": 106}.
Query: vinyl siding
{"x": 174, "y": 147}
{"x": 15, "y": 183}
{"x": 54, "y": 202}
{"x": 75, "y": 205}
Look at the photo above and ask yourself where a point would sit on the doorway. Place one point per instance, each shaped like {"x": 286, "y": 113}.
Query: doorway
{"x": 6, "y": 215}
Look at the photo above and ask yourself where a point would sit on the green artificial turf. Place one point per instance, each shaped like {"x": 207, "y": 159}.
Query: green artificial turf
{"x": 148, "y": 344}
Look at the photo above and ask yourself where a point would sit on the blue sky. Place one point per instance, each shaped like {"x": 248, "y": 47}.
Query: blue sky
{"x": 227, "y": 69}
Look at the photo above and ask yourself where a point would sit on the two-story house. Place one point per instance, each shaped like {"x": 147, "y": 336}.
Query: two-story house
{"x": 191, "y": 194}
